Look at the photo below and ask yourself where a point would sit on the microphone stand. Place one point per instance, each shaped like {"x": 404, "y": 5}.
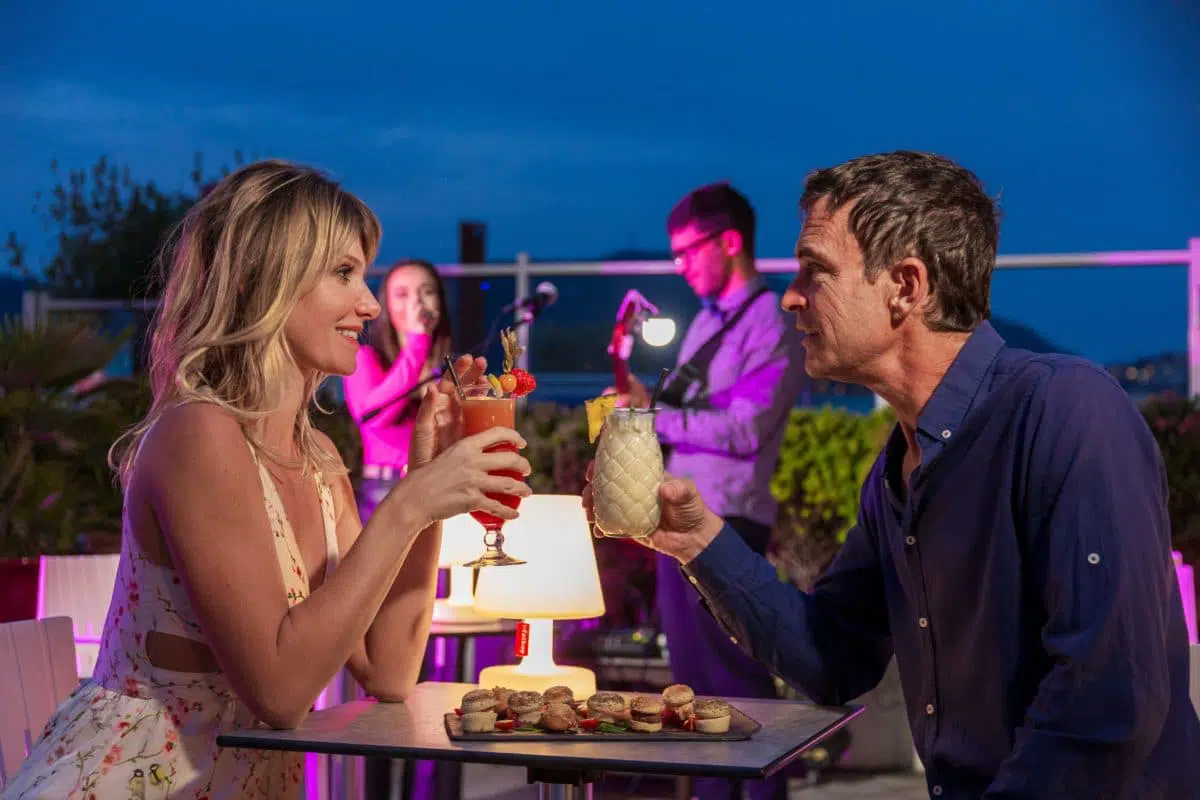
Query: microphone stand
{"x": 479, "y": 347}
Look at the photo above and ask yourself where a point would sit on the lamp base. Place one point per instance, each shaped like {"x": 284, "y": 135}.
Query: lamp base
{"x": 453, "y": 614}
{"x": 581, "y": 680}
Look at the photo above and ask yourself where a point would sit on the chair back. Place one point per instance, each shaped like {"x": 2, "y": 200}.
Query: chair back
{"x": 1195, "y": 681}
{"x": 37, "y": 672}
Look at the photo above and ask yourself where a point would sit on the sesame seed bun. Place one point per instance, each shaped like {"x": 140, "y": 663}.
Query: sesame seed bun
{"x": 606, "y": 706}
{"x": 712, "y": 716}
{"x": 558, "y": 694}
{"x": 478, "y": 700}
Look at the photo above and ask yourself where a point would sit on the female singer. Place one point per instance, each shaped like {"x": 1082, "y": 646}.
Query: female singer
{"x": 404, "y": 346}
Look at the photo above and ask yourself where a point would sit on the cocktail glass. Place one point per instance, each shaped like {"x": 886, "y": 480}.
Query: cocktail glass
{"x": 482, "y": 411}
{"x": 629, "y": 471}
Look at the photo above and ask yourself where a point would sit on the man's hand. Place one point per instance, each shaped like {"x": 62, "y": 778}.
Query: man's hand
{"x": 636, "y": 397}
{"x": 685, "y": 526}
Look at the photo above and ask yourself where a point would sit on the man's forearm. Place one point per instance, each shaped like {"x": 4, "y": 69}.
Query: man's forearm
{"x": 807, "y": 640}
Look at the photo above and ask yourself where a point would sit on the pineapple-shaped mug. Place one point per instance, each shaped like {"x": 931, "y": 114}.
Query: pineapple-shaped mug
{"x": 628, "y": 472}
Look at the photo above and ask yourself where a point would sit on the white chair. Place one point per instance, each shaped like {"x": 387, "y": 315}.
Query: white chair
{"x": 37, "y": 672}
{"x": 79, "y": 587}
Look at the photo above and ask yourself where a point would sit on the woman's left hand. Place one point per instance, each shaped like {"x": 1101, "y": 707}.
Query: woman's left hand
{"x": 438, "y": 422}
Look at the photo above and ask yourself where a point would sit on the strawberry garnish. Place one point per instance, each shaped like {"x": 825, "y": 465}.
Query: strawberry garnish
{"x": 526, "y": 383}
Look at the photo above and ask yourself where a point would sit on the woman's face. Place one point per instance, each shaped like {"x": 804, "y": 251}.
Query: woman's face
{"x": 409, "y": 292}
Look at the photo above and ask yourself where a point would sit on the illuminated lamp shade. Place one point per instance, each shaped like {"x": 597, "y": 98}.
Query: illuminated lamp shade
{"x": 461, "y": 538}
{"x": 558, "y": 581}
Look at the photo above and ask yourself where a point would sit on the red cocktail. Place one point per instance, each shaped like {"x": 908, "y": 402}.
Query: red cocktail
{"x": 481, "y": 411}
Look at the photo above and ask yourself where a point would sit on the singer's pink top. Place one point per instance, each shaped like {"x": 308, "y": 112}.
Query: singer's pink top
{"x": 385, "y": 436}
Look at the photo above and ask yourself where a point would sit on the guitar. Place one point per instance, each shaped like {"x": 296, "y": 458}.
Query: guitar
{"x": 635, "y": 310}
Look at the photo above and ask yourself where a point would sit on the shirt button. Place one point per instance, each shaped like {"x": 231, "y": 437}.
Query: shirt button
{"x": 924, "y": 623}
{"x": 692, "y": 578}
{"x": 910, "y": 540}
{"x": 1093, "y": 558}
{"x": 929, "y": 710}
{"x": 937, "y": 791}
{"x": 946, "y": 434}
{"x": 733, "y": 639}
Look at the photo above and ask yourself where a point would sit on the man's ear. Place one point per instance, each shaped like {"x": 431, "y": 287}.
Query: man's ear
{"x": 909, "y": 287}
{"x": 732, "y": 243}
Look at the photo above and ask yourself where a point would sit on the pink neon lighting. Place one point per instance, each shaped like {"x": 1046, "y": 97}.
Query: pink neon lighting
{"x": 1187, "y": 589}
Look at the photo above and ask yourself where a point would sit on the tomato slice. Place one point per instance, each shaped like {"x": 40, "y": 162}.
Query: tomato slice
{"x": 458, "y": 711}
{"x": 588, "y": 723}
{"x": 505, "y": 724}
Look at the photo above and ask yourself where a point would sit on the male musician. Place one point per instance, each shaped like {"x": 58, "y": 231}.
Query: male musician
{"x": 722, "y": 416}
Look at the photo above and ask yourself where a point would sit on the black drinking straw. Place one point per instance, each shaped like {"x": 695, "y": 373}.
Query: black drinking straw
{"x": 658, "y": 387}
{"x": 454, "y": 377}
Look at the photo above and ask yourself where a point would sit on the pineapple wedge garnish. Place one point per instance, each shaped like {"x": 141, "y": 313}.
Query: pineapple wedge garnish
{"x": 598, "y": 410}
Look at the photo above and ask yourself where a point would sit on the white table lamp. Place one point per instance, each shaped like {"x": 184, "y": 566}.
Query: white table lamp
{"x": 558, "y": 581}
{"x": 462, "y": 538}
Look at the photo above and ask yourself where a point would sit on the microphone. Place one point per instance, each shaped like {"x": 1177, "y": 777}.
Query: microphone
{"x": 546, "y": 294}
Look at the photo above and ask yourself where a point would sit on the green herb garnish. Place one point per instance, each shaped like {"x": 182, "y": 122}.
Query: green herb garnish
{"x": 608, "y": 727}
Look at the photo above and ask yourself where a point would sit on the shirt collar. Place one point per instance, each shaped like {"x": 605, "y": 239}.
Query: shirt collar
{"x": 727, "y": 305}
{"x": 944, "y": 413}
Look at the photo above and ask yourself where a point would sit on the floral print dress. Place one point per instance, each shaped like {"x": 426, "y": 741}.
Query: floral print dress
{"x": 140, "y": 731}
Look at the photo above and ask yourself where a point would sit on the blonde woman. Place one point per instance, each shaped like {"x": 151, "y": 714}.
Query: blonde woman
{"x": 246, "y": 580}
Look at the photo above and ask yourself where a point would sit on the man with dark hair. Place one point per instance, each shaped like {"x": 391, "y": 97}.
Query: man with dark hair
{"x": 722, "y": 416}
{"x": 1012, "y": 543}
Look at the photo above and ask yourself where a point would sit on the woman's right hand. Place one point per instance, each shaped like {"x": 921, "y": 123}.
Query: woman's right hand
{"x": 457, "y": 481}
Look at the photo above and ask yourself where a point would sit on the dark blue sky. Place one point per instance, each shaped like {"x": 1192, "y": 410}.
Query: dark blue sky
{"x": 571, "y": 128}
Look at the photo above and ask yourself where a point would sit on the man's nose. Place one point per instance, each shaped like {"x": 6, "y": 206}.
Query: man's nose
{"x": 793, "y": 300}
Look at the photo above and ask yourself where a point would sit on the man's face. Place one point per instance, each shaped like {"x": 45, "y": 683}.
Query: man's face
{"x": 846, "y": 318}
{"x": 703, "y": 259}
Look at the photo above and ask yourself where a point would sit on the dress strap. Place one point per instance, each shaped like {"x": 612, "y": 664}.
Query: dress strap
{"x": 329, "y": 518}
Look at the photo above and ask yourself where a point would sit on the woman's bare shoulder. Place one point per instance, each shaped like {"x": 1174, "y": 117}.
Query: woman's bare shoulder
{"x": 199, "y": 436}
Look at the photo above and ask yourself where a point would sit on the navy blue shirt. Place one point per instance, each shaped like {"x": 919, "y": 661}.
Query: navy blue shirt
{"x": 1024, "y": 583}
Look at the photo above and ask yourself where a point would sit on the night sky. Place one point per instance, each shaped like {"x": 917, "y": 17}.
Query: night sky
{"x": 571, "y": 128}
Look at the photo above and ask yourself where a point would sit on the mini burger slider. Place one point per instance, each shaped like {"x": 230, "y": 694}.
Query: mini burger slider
{"x": 525, "y": 707}
{"x": 712, "y": 716}
{"x": 559, "y": 694}
{"x": 502, "y": 696}
{"x": 479, "y": 711}
{"x": 606, "y": 707}
{"x": 559, "y": 717}
{"x": 678, "y": 698}
{"x": 645, "y": 714}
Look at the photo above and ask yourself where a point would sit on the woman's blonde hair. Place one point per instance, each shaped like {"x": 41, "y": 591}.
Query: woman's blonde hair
{"x": 234, "y": 269}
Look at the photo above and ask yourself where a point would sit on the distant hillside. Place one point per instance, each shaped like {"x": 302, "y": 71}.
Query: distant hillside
{"x": 1023, "y": 337}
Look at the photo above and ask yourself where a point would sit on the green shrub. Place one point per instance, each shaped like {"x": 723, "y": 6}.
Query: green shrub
{"x": 825, "y": 457}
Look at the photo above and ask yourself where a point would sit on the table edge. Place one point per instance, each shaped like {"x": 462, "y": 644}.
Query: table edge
{"x": 250, "y": 740}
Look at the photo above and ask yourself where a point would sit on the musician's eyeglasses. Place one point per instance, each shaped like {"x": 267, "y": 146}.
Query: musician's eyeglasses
{"x": 685, "y": 254}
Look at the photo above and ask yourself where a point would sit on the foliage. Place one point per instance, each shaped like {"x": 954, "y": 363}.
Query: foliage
{"x": 57, "y": 494}
{"x": 106, "y": 230}
{"x": 825, "y": 456}
{"x": 1175, "y": 423}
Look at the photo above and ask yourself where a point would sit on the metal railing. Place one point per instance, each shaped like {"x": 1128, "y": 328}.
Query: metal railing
{"x": 36, "y": 306}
